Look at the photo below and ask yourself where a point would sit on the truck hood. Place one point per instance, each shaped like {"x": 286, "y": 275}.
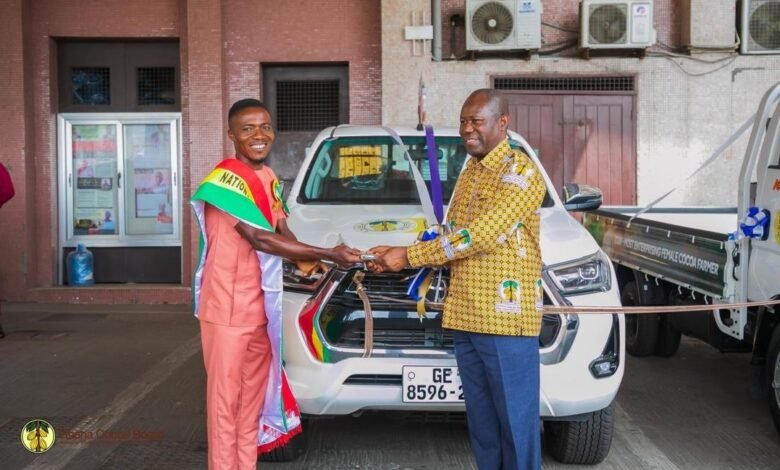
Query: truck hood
{"x": 562, "y": 238}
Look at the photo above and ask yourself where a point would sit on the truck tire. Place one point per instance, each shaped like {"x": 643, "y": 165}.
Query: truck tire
{"x": 288, "y": 452}
{"x": 773, "y": 376}
{"x": 641, "y": 330}
{"x": 668, "y": 341}
{"x": 581, "y": 442}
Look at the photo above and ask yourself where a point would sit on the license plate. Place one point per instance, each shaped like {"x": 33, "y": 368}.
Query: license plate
{"x": 430, "y": 384}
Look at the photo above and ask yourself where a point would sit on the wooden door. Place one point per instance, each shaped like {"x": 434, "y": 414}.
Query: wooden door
{"x": 536, "y": 118}
{"x": 582, "y": 139}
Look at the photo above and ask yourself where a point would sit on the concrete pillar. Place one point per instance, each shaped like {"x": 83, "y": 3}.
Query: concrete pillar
{"x": 202, "y": 109}
{"x": 13, "y": 135}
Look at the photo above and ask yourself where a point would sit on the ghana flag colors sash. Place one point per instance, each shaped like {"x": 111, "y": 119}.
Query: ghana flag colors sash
{"x": 235, "y": 189}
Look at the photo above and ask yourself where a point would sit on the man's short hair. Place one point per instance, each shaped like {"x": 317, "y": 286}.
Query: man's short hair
{"x": 241, "y": 105}
{"x": 496, "y": 100}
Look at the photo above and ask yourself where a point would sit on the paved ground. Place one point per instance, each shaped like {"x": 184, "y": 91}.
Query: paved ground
{"x": 134, "y": 376}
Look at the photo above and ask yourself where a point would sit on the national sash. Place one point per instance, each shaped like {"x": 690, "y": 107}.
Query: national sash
{"x": 234, "y": 188}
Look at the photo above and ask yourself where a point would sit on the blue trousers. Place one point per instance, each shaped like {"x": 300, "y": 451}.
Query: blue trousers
{"x": 500, "y": 376}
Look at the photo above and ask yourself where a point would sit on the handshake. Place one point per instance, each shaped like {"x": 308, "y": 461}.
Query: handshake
{"x": 385, "y": 258}
{"x": 377, "y": 259}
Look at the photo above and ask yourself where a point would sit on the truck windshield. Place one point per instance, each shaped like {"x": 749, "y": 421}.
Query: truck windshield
{"x": 374, "y": 170}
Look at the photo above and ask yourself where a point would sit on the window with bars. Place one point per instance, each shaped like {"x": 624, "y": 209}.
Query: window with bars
{"x": 90, "y": 86}
{"x": 118, "y": 76}
{"x": 156, "y": 85}
{"x": 614, "y": 83}
{"x": 307, "y": 105}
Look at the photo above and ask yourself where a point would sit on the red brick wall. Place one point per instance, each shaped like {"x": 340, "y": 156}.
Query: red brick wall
{"x": 222, "y": 46}
{"x": 13, "y": 133}
{"x": 300, "y": 31}
{"x": 563, "y": 13}
{"x": 105, "y": 18}
{"x": 28, "y": 131}
{"x": 202, "y": 109}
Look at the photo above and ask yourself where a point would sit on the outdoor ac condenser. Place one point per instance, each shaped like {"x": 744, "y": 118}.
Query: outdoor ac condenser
{"x": 759, "y": 30}
{"x": 495, "y": 25}
{"x": 614, "y": 24}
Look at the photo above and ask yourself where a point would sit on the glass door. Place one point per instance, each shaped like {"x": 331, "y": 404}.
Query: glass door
{"x": 148, "y": 192}
{"x": 119, "y": 179}
{"x": 93, "y": 190}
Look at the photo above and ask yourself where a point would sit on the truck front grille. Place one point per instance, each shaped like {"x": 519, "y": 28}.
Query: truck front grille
{"x": 435, "y": 338}
{"x": 398, "y": 330}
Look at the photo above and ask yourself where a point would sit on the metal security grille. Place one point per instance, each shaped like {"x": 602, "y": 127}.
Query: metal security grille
{"x": 567, "y": 84}
{"x": 156, "y": 85}
{"x": 90, "y": 85}
{"x": 307, "y": 105}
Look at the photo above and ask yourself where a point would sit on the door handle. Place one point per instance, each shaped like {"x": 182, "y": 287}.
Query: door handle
{"x": 119, "y": 180}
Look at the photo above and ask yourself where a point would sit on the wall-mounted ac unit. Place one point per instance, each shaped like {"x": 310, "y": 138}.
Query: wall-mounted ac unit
{"x": 760, "y": 27}
{"x": 614, "y": 24}
{"x": 496, "y": 25}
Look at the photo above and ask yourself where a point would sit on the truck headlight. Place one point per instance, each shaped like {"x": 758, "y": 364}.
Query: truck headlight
{"x": 589, "y": 274}
{"x": 295, "y": 281}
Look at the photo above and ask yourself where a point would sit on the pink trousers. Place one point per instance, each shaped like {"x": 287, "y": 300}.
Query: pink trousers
{"x": 237, "y": 359}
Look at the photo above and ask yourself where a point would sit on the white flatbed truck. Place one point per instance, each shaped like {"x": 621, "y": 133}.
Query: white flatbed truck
{"x": 685, "y": 256}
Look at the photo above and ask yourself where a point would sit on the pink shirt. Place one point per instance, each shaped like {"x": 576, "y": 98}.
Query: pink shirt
{"x": 231, "y": 293}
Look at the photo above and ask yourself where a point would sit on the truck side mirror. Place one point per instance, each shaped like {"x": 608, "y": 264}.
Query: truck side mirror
{"x": 581, "y": 197}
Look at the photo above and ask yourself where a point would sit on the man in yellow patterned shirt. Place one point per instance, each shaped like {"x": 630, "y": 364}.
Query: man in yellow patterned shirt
{"x": 495, "y": 295}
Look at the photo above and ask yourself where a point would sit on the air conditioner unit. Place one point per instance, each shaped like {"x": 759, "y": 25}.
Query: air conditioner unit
{"x": 613, "y": 24}
{"x": 760, "y": 27}
{"x": 495, "y": 25}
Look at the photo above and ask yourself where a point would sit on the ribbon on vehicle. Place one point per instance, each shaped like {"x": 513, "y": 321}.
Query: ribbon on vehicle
{"x": 754, "y": 225}
{"x": 704, "y": 165}
{"x": 368, "y": 328}
{"x": 433, "y": 163}
{"x": 421, "y": 282}
{"x": 432, "y": 206}
{"x": 419, "y": 181}
{"x": 595, "y": 310}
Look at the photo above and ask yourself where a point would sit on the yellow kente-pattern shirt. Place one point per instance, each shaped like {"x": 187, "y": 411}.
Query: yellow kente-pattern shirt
{"x": 493, "y": 246}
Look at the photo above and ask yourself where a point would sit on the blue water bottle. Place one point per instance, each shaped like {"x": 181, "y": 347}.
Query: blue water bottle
{"x": 80, "y": 271}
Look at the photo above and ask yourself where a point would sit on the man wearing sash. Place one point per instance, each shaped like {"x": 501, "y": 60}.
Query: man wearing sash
{"x": 495, "y": 293}
{"x": 237, "y": 295}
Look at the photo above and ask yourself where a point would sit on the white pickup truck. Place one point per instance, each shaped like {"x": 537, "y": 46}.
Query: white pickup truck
{"x": 357, "y": 186}
{"x": 685, "y": 256}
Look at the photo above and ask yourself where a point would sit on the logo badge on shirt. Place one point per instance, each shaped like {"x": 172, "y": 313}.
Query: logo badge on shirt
{"x": 461, "y": 239}
{"x": 509, "y": 292}
{"x": 539, "y": 295}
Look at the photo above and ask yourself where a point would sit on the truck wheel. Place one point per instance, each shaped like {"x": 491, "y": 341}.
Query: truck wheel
{"x": 288, "y": 452}
{"x": 641, "y": 330}
{"x": 773, "y": 376}
{"x": 581, "y": 442}
{"x": 668, "y": 341}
